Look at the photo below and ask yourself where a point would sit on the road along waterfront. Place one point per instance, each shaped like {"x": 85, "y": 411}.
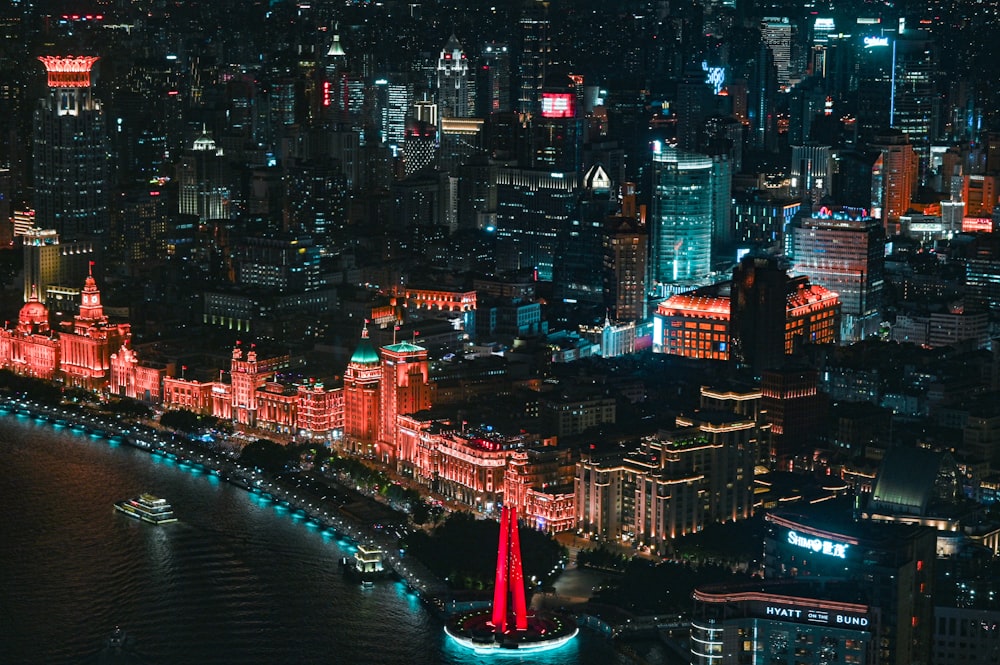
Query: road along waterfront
{"x": 241, "y": 578}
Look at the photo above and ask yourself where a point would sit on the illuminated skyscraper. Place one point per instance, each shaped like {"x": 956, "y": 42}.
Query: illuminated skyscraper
{"x": 776, "y": 33}
{"x": 811, "y": 173}
{"x": 453, "y": 81}
{"x": 50, "y": 264}
{"x": 626, "y": 245}
{"x": 71, "y": 152}
{"x": 681, "y": 227}
{"x": 493, "y": 81}
{"x": 393, "y": 99}
{"x": 894, "y": 177}
{"x": 536, "y": 54}
{"x": 916, "y": 102}
{"x": 202, "y": 176}
{"x": 845, "y": 252}
{"x": 557, "y": 134}
{"x": 532, "y": 208}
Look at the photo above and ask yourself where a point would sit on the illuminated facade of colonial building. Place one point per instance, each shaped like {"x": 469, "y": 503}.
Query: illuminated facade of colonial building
{"x": 320, "y": 411}
{"x": 85, "y": 352}
{"x": 404, "y": 389}
{"x": 361, "y": 392}
{"x": 78, "y": 356}
{"x": 480, "y": 469}
{"x": 131, "y": 378}
{"x": 31, "y": 348}
{"x": 539, "y": 484}
{"x": 696, "y": 324}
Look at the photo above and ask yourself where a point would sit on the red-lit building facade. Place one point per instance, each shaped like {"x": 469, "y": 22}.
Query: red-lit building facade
{"x": 129, "y": 377}
{"x": 693, "y": 324}
{"x": 85, "y": 350}
{"x": 362, "y": 380}
{"x": 79, "y": 355}
{"x": 696, "y": 324}
{"x": 481, "y": 469}
{"x": 404, "y": 389}
{"x": 31, "y": 348}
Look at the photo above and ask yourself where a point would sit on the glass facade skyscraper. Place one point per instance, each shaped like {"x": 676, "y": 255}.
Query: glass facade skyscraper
{"x": 681, "y": 234}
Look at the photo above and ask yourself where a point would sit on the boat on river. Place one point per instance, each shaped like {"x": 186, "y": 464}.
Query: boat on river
{"x": 147, "y": 508}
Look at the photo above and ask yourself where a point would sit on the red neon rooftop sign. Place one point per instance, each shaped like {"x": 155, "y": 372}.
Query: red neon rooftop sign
{"x": 557, "y": 105}
{"x": 68, "y": 71}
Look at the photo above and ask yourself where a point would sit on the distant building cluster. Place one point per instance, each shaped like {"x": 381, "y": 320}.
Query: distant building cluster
{"x": 637, "y": 268}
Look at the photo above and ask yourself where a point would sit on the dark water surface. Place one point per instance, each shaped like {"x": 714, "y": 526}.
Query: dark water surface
{"x": 236, "y": 580}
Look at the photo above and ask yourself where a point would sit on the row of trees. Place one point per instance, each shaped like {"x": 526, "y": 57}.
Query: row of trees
{"x": 463, "y": 551}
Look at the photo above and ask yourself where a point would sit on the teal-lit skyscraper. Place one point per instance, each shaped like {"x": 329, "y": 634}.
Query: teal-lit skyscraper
{"x": 681, "y": 229}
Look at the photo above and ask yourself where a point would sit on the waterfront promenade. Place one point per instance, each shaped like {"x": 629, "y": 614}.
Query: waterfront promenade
{"x": 323, "y": 513}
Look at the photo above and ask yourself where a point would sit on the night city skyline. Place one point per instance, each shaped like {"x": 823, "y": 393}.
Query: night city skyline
{"x": 702, "y": 299}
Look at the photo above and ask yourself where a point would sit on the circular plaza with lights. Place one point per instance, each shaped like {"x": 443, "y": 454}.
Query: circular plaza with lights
{"x": 507, "y": 626}
{"x": 544, "y": 631}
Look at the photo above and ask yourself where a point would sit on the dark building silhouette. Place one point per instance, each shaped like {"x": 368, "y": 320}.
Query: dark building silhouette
{"x": 757, "y": 313}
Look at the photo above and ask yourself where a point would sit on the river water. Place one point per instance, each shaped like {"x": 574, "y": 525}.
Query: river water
{"x": 236, "y": 580}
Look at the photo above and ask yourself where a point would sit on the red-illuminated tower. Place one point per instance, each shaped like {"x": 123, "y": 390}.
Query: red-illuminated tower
{"x": 70, "y": 152}
{"x": 361, "y": 392}
{"x": 508, "y": 619}
{"x": 86, "y": 346}
{"x": 405, "y": 390}
{"x": 509, "y": 577}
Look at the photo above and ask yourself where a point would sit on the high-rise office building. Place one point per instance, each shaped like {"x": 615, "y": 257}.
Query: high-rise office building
{"x": 420, "y": 147}
{"x": 556, "y": 134}
{"x": 577, "y": 277}
{"x": 757, "y": 313}
{"x": 203, "y": 181}
{"x": 761, "y": 92}
{"x": 6, "y": 218}
{"x": 71, "y": 152}
{"x": 52, "y": 265}
{"x": 492, "y": 79}
{"x": 776, "y": 33}
{"x": 532, "y": 208}
{"x": 916, "y": 101}
{"x": 536, "y": 55}
{"x": 894, "y": 178}
{"x": 870, "y": 63}
{"x": 723, "y": 240}
{"x": 845, "y": 252}
{"x": 453, "y": 81}
{"x": 811, "y": 173}
{"x": 681, "y": 228}
{"x": 626, "y": 246}
{"x": 693, "y": 106}
{"x": 393, "y": 99}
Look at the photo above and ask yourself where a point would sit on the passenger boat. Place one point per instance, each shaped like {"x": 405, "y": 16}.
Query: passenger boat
{"x": 147, "y": 508}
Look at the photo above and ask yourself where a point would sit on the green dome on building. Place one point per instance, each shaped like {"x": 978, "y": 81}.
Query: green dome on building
{"x": 365, "y": 353}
